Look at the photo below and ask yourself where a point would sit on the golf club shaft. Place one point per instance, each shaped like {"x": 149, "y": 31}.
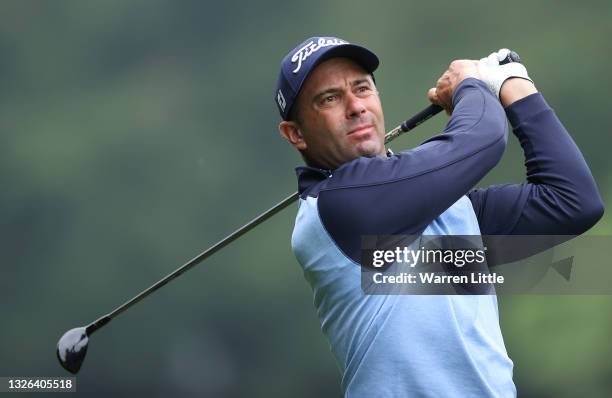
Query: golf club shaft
{"x": 391, "y": 135}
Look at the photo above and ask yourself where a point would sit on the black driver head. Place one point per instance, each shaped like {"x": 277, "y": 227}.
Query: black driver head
{"x": 71, "y": 349}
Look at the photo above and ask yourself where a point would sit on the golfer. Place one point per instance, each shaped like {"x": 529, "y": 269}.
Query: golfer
{"x": 411, "y": 345}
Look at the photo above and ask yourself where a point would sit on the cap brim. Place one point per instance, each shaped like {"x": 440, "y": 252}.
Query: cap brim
{"x": 364, "y": 57}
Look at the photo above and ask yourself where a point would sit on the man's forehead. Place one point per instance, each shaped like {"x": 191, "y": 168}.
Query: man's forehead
{"x": 333, "y": 72}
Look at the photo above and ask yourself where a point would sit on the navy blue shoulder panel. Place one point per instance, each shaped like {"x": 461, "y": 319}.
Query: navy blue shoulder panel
{"x": 403, "y": 193}
{"x": 560, "y": 196}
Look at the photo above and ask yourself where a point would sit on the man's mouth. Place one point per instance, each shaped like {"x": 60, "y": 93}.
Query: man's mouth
{"x": 361, "y": 129}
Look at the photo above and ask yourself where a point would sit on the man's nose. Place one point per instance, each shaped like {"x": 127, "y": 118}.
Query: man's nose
{"x": 354, "y": 107}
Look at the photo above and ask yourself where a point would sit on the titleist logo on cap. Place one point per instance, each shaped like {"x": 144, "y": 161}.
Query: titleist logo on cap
{"x": 310, "y": 47}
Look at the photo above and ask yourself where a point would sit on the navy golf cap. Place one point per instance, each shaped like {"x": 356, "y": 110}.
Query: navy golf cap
{"x": 300, "y": 61}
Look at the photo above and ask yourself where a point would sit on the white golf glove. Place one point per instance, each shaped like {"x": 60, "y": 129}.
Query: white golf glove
{"x": 494, "y": 74}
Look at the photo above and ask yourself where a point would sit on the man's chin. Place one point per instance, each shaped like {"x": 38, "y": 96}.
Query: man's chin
{"x": 370, "y": 149}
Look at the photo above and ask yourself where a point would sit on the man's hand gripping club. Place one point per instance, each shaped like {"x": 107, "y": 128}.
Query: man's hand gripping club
{"x": 505, "y": 77}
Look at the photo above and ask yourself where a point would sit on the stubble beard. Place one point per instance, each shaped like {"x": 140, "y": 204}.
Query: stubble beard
{"x": 371, "y": 148}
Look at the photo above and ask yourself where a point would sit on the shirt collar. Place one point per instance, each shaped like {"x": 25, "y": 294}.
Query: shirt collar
{"x": 308, "y": 176}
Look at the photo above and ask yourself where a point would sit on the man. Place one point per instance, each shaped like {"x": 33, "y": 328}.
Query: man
{"x": 408, "y": 345}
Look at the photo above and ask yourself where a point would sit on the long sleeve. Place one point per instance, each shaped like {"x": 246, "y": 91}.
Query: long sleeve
{"x": 560, "y": 196}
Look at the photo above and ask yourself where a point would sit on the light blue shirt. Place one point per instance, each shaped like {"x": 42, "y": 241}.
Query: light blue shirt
{"x": 403, "y": 345}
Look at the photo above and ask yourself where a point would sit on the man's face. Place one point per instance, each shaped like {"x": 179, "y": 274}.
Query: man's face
{"x": 340, "y": 116}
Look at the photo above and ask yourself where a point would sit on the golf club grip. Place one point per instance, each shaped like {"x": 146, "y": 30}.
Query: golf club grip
{"x": 420, "y": 117}
{"x": 511, "y": 57}
{"x": 435, "y": 109}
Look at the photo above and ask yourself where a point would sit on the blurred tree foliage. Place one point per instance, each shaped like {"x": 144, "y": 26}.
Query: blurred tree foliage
{"x": 135, "y": 134}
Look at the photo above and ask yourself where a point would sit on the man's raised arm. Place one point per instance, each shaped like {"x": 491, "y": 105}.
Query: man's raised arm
{"x": 560, "y": 196}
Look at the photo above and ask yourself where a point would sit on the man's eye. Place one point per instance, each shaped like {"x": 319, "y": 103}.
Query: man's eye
{"x": 329, "y": 98}
{"x": 363, "y": 89}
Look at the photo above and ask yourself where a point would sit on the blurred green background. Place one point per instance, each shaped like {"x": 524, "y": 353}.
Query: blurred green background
{"x": 134, "y": 134}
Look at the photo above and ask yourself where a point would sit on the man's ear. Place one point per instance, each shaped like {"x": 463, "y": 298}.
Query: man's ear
{"x": 291, "y": 132}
